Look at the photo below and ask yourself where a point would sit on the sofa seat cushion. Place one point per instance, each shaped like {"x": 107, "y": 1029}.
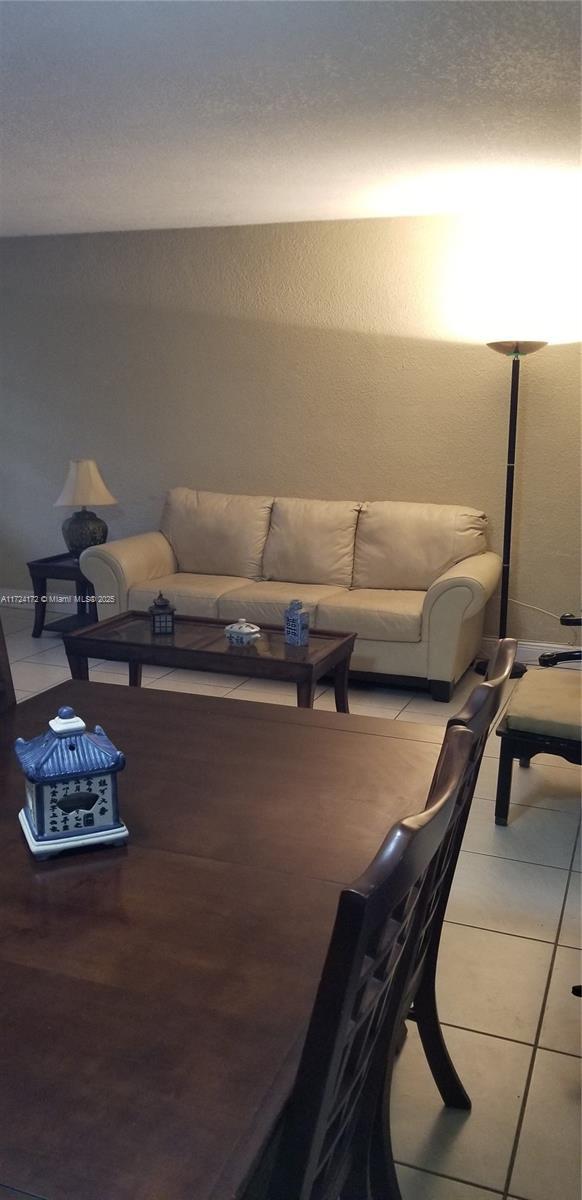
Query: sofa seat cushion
{"x": 400, "y": 545}
{"x": 382, "y": 616}
{"x": 265, "y": 603}
{"x": 547, "y": 701}
{"x": 193, "y": 595}
{"x": 312, "y": 541}
{"x": 216, "y": 534}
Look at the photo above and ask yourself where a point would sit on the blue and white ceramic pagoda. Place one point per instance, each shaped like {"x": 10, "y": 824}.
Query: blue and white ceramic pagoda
{"x": 71, "y": 787}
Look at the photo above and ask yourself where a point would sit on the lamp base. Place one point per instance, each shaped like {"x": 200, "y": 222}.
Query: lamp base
{"x": 517, "y": 671}
{"x": 83, "y": 529}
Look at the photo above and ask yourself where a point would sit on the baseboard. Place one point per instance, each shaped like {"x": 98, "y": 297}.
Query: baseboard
{"x": 529, "y": 652}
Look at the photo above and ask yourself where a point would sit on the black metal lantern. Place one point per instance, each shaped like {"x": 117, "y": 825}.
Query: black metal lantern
{"x": 162, "y": 616}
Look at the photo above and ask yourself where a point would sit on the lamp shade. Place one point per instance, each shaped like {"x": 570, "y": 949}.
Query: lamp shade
{"x": 83, "y": 486}
{"x": 516, "y": 349}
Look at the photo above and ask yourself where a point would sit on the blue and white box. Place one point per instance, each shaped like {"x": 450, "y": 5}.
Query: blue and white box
{"x": 296, "y": 624}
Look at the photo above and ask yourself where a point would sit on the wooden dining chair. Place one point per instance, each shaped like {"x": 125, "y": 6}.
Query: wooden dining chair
{"x": 334, "y": 1141}
{"x": 477, "y": 716}
{"x": 7, "y": 697}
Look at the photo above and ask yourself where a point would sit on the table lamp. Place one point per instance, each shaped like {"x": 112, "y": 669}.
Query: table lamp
{"x": 84, "y": 486}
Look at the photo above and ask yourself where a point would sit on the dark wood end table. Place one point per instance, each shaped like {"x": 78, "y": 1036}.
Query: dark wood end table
{"x": 61, "y": 566}
{"x": 201, "y": 645}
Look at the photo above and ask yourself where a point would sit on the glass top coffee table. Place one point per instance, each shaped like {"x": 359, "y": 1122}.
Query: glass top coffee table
{"x": 201, "y": 645}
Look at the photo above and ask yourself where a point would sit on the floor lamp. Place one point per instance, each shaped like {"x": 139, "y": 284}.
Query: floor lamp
{"x": 516, "y": 351}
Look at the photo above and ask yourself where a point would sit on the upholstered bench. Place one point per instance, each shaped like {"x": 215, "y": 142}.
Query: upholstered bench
{"x": 542, "y": 717}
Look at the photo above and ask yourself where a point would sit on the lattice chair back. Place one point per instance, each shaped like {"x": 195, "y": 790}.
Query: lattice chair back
{"x": 359, "y": 1005}
{"x": 477, "y": 716}
{"x": 484, "y": 702}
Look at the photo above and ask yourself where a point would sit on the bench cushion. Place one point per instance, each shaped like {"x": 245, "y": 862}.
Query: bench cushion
{"x": 192, "y": 595}
{"x": 547, "y": 701}
{"x": 400, "y": 545}
{"x": 265, "y": 603}
{"x": 312, "y": 541}
{"x": 212, "y": 533}
{"x": 378, "y": 615}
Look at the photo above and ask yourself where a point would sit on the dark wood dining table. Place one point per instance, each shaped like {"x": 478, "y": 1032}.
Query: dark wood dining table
{"x": 154, "y": 998}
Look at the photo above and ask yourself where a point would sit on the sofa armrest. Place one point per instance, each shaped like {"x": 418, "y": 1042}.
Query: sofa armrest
{"x": 477, "y": 575}
{"x": 452, "y": 615}
{"x": 114, "y": 567}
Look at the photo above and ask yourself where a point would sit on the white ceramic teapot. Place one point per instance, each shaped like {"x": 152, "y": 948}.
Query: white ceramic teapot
{"x": 242, "y": 632}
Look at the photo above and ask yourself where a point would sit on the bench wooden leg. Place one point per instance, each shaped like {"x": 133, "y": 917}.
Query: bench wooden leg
{"x": 503, "y": 783}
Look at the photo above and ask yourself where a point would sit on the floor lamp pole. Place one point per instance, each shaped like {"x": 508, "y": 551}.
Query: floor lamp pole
{"x": 516, "y": 351}
{"x": 509, "y": 481}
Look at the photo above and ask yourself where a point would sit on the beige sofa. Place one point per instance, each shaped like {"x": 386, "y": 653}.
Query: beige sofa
{"x": 412, "y": 580}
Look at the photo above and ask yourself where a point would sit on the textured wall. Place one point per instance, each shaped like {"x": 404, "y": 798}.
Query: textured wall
{"x": 306, "y": 359}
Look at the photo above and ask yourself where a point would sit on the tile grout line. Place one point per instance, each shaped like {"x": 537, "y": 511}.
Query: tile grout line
{"x": 30, "y": 656}
{"x": 172, "y": 671}
{"x": 453, "y": 1178}
{"x": 520, "y": 804}
{"x": 500, "y": 1037}
{"x": 527, "y": 862}
{"x": 552, "y": 1049}
{"x": 102, "y": 670}
{"x": 504, "y": 933}
{"x": 564, "y": 812}
{"x": 536, "y": 1045}
{"x": 504, "y": 1037}
{"x": 233, "y": 689}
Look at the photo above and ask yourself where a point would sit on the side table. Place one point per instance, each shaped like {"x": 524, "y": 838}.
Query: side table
{"x": 61, "y": 566}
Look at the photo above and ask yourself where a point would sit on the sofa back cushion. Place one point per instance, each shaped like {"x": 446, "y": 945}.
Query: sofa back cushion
{"x": 311, "y": 541}
{"x": 215, "y": 534}
{"x": 407, "y": 546}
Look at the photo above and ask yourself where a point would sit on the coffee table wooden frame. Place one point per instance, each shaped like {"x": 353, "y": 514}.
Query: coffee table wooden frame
{"x": 328, "y": 653}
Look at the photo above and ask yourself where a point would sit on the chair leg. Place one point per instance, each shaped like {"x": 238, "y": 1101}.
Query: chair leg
{"x": 524, "y": 762}
{"x": 503, "y": 784}
{"x": 433, "y": 1043}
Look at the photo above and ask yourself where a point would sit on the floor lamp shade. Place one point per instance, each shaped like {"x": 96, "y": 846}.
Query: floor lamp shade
{"x": 516, "y": 349}
{"x": 83, "y": 486}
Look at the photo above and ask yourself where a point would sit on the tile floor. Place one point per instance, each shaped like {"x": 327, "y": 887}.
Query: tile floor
{"x": 510, "y": 955}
